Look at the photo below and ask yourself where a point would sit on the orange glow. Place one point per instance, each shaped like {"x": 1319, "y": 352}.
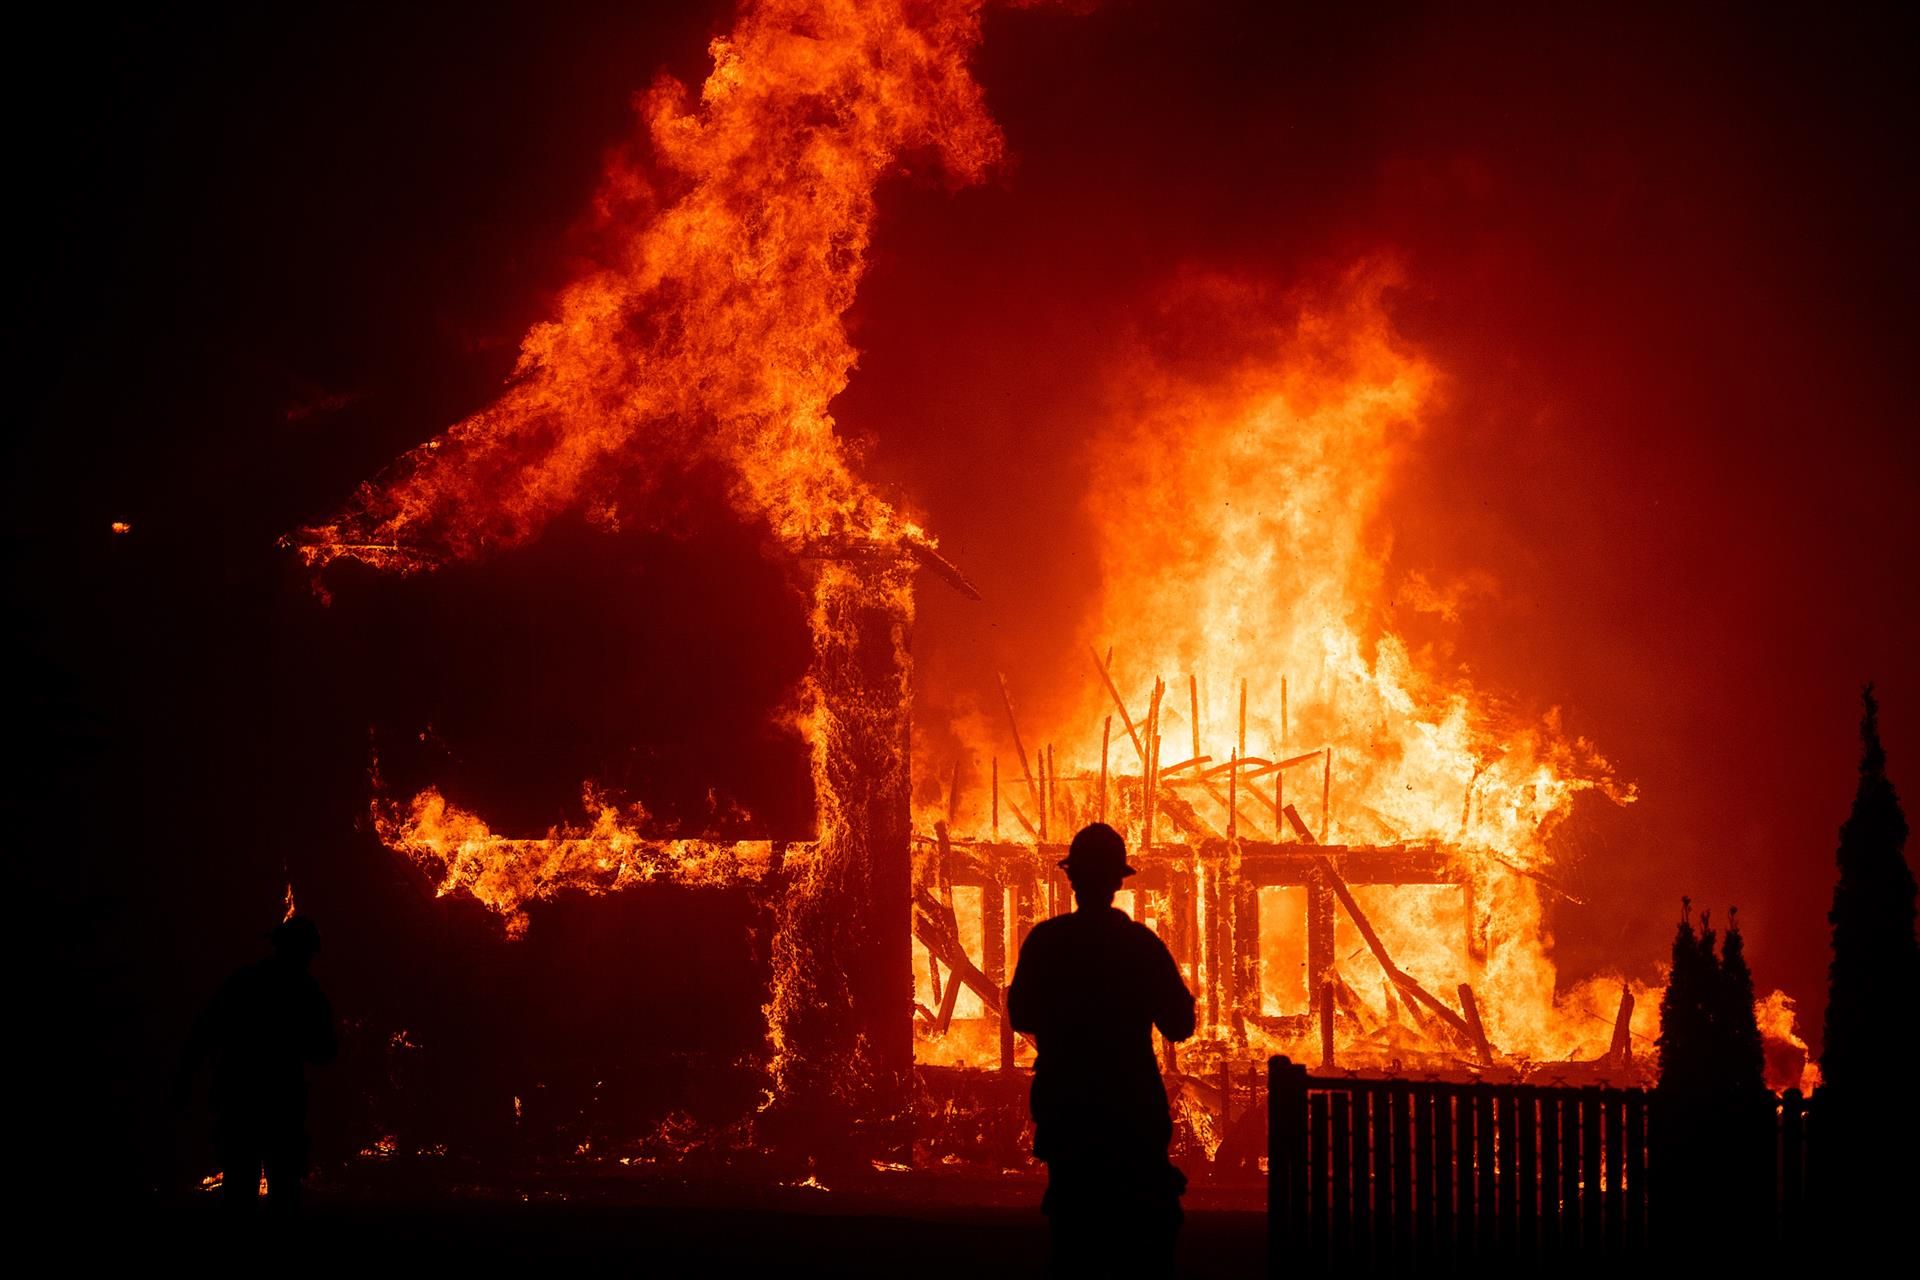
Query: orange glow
{"x": 503, "y": 873}
{"x": 1236, "y": 500}
{"x": 713, "y": 330}
{"x": 1240, "y": 543}
{"x": 1789, "y": 1063}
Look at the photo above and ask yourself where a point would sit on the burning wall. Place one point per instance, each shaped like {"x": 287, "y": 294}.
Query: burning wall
{"x": 712, "y": 332}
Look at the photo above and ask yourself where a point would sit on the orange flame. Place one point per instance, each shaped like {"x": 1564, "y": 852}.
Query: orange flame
{"x": 1238, "y": 512}
{"x": 713, "y": 330}
{"x": 1790, "y": 1064}
{"x": 503, "y": 873}
{"x": 1237, "y": 499}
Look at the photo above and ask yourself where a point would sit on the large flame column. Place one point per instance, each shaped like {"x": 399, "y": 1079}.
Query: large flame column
{"x": 842, "y": 993}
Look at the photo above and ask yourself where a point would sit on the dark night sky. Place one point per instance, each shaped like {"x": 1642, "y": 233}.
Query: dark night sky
{"x": 1664, "y": 259}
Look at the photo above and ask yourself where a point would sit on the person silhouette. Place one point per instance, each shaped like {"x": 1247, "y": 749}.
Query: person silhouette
{"x": 262, "y": 1028}
{"x": 1089, "y": 987}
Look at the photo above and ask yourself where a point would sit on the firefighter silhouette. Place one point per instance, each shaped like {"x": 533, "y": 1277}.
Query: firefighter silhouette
{"x": 1089, "y": 988}
{"x": 266, "y": 1023}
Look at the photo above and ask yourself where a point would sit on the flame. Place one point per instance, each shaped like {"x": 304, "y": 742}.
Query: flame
{"x": 289, "y": 910}
{"x": 1790, "y": 1064}
{"x": 713, "y": 328}
{"x": 505, "y": 873}
{"x": 1237, "y": 499}
{"x": 1238, "y": 518}
{"x": 1238, "y": 513}
{"x": 711, "y": 331}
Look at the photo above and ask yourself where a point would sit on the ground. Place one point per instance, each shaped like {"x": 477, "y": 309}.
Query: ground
{"x": 993, "y": 1231}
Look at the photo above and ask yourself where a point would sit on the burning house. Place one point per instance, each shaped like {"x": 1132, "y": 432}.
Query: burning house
{"x": 511, "y": 487}
{"x": 1344, "y": 843}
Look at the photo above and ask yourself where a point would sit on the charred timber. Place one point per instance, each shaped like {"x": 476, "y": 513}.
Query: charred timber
{"x": 1261, "y": 862}
{"x": 843, "y": 948}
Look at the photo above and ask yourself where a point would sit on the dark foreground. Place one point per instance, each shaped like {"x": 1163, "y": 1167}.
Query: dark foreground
{"x": 800, "y": 1232}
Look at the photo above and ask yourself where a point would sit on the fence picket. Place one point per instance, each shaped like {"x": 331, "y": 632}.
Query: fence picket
{"x": 1368, "y": 1175}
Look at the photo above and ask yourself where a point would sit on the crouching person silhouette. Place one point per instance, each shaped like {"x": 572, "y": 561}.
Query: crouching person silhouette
{"x": 1089, "y": 988}
{"x": 266, "y": 1023}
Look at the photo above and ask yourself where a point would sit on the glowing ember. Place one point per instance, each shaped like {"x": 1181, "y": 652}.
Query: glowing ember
{"x": 504, "y": 873}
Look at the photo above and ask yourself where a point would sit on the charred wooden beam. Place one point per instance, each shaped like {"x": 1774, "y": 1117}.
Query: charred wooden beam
{"x": 1246, "y": 766}
{"x": 1106, "y": 733}
{"x": 1126, "y": 717}
{"x": 1184, "y": 816}
{"x": 942, "y": 567}
{"x": 1181, "y": 935}
{"x": 1476, "y": 940}
{"x": 1212, "y": 938}
{"x": 1240, "y": 742}
{"x": 840, "y": 945}
{"x": 944, "y": 943}
{"x": 1246, "y": 953}
{"x": 1233, "y": 800}
{"x": 1620, "y": 1053}
{"x": 993, "y": 951}
{"x": 1006, "y": 700}
{"x": 1275, "y": 766}
{"x": 1262, "y": 862}
{"x": 1021, "y": 818}
{"x": 1323, "y": 1000}
{"x": 1322, "y": 975}
{"x": 1193, "y": 713}
{"x": 1534, "y": 876}
{"x": 953, "y": 794}
{"x": 1483, "y": 1052}
{"x": 948, "y": 1002}
{"x": 1230, "y": 802}
{"x": 1326, "y": 799}
{"x": 1285, "y": 865}
{"x": 1151, "y": 782}
{"x": 1403, "y": 981}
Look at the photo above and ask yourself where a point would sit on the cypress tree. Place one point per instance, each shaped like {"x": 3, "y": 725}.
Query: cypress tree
{"x": 1683, "y": 1022}
{"x": 1743, "y": 1065}
{"x": 1874, "y": 981}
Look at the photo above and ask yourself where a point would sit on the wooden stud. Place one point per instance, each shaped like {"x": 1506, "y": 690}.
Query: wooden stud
{"x": 1126, "y": 718}
{"x": 1471, "y": 1009}
{"x": 996, "y": 797}
{"x": 1326, "y": 799}
{"x": 1053, "y": 780}
{"x": 1151, "y": 777}
{"x": 1233, "y": 804}
{"x": 1193, "y": 711}
{"x": 1106, "y": 732}
{"x": 1242, "y": 739}
{"x": 953, "y": 794}
{"x": 1006, "y": 700}
{"x": 1621, "y": 1053}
